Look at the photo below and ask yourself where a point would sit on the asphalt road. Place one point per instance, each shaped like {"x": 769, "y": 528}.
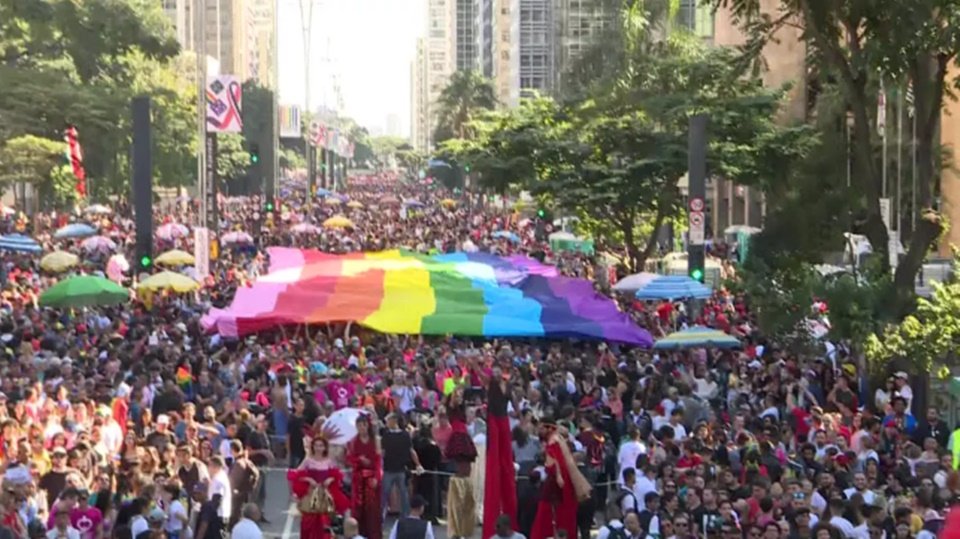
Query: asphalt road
{"x": 284, "y": 519}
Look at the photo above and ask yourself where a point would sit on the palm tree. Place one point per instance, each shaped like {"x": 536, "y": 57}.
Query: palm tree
{"x": 466, "y": 93}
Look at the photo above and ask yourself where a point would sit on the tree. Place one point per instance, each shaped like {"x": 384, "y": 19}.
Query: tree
{"x": 292, "y": 160}
{"x": 465, "y": 94}
{"x": 233, "y": 159}
{"x": 30, "y": 159}
{"x": 856, "y": 43}
{"x": 930, "y": 334}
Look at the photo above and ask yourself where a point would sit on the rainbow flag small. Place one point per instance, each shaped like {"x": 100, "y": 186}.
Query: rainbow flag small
{"x": 185, "y": 381}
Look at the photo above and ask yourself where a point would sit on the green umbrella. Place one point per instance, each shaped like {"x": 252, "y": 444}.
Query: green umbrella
{"x": 84, "y": 291}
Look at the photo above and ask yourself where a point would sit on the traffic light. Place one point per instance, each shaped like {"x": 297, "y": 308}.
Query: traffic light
{"x": 467, "y": 168}
{"x": 695, "y": 264}
{"x": 146, "y": 262}
{"x": 541, "y": 213}
{"x": 268, "y": 206}
{"x": 254, "y": 154}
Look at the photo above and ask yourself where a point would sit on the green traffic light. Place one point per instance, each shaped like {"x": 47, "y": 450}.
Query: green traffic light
{"x": 254, "y": 158}
{"x": 269, "y": 206}
{"x": 697, "y": 274}
{"x": 145, "y": 261}
{"x": 541, "y": 213}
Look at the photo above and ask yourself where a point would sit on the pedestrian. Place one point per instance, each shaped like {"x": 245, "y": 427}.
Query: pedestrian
{"x": 413, "y": 526}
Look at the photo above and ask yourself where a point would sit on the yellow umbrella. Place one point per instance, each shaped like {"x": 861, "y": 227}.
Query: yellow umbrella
{"x": 338, "y": 221}
{"x": 58, "y": 261}
{"x": 176, "y": 257}
{"x": 355, "y": 204}
{"x": 168, "y": 280}
{"x": 332, "y": 202}
{"x": 448, "y": 202}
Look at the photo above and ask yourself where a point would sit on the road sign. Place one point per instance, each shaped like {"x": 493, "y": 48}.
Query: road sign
{"x": 201, "y": 251}
{"x": 697, "y": 228}
{"x": 696, "y": 204}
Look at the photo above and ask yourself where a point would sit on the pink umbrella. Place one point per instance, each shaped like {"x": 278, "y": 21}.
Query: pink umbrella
{"x": 116, "y": 267}
{"x": 101, "y": 244}
{"x": 305, "y": 228}
{"x": 236, "y": 237}
{"x": 172, "y": 231}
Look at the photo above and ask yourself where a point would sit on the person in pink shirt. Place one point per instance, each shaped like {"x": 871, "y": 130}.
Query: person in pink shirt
{"x": 88, "y": 520}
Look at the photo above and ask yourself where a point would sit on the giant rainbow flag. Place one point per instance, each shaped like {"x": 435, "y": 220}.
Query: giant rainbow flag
{"x": 401, "y": 292}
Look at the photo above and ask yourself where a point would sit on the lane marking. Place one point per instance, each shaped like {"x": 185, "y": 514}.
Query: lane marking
{"x": 292, "y": 513}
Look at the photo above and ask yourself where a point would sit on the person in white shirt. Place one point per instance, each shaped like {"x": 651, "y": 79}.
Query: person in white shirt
{"x": 629, "y": 452}
{"x": 139, "y": 524}
{"x": 842, "y": 525}
{"x": 220, "y": 484}
{"x": 902, "y": 382}
{"x": 246, "y": 527}
{"x": 177, "y": 517}
{"x": 860, "y": 487}
{"x": 61, "y": 524}
{"x": 645, "y": 484}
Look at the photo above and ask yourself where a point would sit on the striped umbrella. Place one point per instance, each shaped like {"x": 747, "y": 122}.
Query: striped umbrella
{"x": 697, "y": 337}
{"x": 19, "y": 243}
{"x": 673, "y": 287}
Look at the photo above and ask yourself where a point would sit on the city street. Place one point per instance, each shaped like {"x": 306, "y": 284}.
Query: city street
{"x": 281, "y": 511}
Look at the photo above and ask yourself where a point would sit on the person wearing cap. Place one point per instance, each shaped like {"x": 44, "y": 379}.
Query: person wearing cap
{"x": 55, "y": 481}
{"x": 413, "y": 526}
{"x": 61, "y": 524}
{"x": 902, "y": 383}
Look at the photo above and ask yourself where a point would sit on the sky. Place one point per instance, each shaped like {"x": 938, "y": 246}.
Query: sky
{"x": 367, "y": 45}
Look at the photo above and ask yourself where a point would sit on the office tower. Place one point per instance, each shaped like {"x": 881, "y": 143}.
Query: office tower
{"x": 466, "y": 35}
{"x": 536, "y": 47}
{"x": 484, "y": 23}
{"x": 419, "y": 106}
{"x": 229, "y": 33}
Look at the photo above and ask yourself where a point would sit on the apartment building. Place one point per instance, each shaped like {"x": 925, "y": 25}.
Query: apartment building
{"x": 419, "y": 106}
{"x": 229, "y": 35}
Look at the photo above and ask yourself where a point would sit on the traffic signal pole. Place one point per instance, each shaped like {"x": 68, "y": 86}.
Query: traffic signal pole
{"x": 697, "y": 175}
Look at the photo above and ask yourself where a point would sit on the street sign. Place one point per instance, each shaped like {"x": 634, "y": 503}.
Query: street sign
{"x": 201, "y": 251}
{"x": 696, "y": 204}
{"x": 697, "y": 228}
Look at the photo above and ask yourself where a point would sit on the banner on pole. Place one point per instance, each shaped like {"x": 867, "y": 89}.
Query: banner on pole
{"x": 224, "y": 99}
{"x": 201, "y": 251}
{"x": 289, "y": 121}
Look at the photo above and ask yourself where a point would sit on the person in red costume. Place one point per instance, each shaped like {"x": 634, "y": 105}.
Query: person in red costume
{"x": 500, "y": 486}
{"x": 317, "y": 477}
{"x": 363, "y": 456}
{"x": 563, "y": 488}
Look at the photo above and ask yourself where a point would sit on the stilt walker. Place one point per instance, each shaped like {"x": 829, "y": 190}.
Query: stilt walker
{"x": 500, "y": 486}
{"x": 461, "y": 505}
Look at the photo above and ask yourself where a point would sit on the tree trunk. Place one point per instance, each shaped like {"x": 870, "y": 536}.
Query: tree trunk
{"x": 652, "y": 240}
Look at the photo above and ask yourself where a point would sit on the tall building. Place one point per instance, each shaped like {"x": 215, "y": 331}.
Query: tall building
{"x": 537, "y": 60}
{"x": 263, "y": 57}
{"x": 484, "y": 24}
{"x": 578, "y": 23}
{"x": 229, "y": 33}
{"x": 419, "y": 106}
{"x": 466, "y": 33}
{"x": 506, "y": 58}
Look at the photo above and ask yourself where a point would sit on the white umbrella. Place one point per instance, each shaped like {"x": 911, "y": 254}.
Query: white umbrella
{"x": 99, "y": 209}
{"x": 341, "y": 426}
{"x": 99, "y": 243}
{"x": 236, "y": 237}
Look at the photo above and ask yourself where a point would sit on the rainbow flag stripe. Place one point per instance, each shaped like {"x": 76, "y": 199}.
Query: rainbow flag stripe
{"x": 469, "y": 294}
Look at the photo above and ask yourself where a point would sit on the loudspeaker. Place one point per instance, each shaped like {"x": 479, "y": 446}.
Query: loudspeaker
{"x": 143, "y": 181}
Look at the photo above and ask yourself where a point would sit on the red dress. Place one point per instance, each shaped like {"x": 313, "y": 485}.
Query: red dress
{"x": 557, "y": 509}
{"x": 460, "y": 446}
{"x": 317, "y": 525}
{"x": 366, "y": 486}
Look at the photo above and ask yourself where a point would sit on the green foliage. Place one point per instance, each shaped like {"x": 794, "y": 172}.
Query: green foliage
{"x": 465, "y": 94}
{"x": 30, "y": 159}
{"x": 855, "y": 43}
{"x": 233, "y": 159}
{"x": 615, "y": 159}
{"x": 291, "y": 159}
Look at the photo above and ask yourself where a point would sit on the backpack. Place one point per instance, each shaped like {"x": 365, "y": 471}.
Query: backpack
{"x": 617, "y": 533}
{"x": 624, "y": 492}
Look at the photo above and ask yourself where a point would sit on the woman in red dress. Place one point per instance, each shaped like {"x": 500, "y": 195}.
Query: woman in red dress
{"x": 363, "y": 456}
{"x": 317, "y": 484}
{"x": 563, "y": 490}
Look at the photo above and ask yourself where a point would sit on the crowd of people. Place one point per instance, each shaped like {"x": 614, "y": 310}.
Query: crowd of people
{"x": 132, "y": 422}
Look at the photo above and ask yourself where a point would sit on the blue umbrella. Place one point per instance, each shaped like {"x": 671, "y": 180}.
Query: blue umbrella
{"x": 673, "y": 287}
{"x": 697, "y": 337}
{"x": 19, "y": 243}
{"x": 75, "y": 230}
{"x": 413, "y": 203}
{"x": 323, "y": 192}
{"x": 506, "y": 234}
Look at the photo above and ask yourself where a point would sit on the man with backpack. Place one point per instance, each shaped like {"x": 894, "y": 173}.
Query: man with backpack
{"x": 627, "y": 498}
